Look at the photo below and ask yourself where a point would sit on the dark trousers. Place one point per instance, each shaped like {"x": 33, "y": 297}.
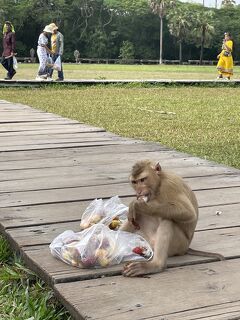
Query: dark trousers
{"x": 60, "y": 73}
{"x": 8, "y": 65}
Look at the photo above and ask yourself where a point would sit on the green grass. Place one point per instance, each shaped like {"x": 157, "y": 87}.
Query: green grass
{"x": 22, "y": 294}
{"x": 202, "y": 121}
{"x": 112, "y": 71}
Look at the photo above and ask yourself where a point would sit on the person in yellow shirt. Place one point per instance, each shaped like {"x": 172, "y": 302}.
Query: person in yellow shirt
{"x": 57, "y": 41}
{"x": 225, "y": 62}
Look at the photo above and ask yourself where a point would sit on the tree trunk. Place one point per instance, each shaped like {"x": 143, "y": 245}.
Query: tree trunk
{"x": 161, "y": 38}
{"x": 180, "y": 51}
{"x": 202, "y": 46}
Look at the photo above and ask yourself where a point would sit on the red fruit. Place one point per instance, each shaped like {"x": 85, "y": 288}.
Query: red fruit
{"x": 138, "y": 250}
{"x": 136, "y": 225}
{"x": 89, "y": 261}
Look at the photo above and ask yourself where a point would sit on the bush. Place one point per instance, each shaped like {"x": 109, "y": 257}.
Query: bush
{"x": 127, "y": 52}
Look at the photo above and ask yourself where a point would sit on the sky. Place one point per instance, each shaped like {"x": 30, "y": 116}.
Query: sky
{"x": 209, "y": 3}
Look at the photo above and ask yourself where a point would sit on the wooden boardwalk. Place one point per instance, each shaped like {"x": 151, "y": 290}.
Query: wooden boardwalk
{"x": 52, "y": 167}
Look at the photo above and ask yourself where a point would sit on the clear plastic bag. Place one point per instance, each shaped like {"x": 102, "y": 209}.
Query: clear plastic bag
{"x": 49, "y": 61}
{"x": 57, "y": 64}
{"x": 111, "y": 212}
{"x": 15, "y": 63}
{"x": 98, "y": 246}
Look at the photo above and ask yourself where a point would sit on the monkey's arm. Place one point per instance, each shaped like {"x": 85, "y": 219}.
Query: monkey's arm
{"x": 180, "y": 209}
{"x": 127, "y": 226}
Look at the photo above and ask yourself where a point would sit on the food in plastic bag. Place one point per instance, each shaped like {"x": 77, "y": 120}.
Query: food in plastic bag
{"x": 57, "y": 64}
{"x": 111, "y": 212}
{"x": 98, "y": 246}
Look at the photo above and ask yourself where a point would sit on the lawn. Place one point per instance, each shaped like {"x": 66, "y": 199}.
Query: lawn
{"x": 28, "y": 71}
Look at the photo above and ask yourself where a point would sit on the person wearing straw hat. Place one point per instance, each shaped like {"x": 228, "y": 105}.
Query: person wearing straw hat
{"x": 57, "y": 43}
{"x": 43, "y": 53}
{"x": 9, "y": 44}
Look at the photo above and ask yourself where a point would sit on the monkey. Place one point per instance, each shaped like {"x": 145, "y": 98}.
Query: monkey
{"x": 165, "y": 213}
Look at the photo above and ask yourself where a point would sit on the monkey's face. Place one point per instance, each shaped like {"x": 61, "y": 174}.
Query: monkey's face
{"x": 145, "y": 184}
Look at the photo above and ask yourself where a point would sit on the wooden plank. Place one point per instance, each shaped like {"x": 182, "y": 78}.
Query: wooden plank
{"x": 31, "y": 119}
{"x": 72, "y": 211}
{"x": 114, "y": 298}
{"x": 27, "y": 117}
{"x": 37, "y": 130}
{"x": 136, "y": 146}
{"x": 39, "y": 122}
{"x": 205, "y": 197}
{"x": 222, "y": 311}
{"x": 57, "y": 138}
{"x": 168, "y": 159}
{"x": 29, "y": 126}
{"x": 61, "y": 145}
{"x": 112, "y": 169}
{"x": 91, "y": 179}
{"x": 6, "y": 105}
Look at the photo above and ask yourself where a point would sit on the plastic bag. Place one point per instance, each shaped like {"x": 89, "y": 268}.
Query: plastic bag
{"x": 49, "y": 62}
{"x": 226, "y": 53}
{"x": 111, "y": 212}
{"x": 98, "y": 246}
{"x": 57, "y": 64}
{"x": 15, "y": 63}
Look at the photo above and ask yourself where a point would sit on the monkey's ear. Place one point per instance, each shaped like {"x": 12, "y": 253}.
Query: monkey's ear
{"x": 158, "y": 167}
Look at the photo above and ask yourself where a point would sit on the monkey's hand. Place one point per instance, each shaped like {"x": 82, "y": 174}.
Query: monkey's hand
{"x": 140, "y": 205}
{"x": 132, "y": 214}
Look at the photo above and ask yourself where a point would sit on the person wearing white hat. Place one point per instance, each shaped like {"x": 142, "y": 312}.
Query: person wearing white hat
{"x": 57, "y": 43}
{"x": 43, "y": 54}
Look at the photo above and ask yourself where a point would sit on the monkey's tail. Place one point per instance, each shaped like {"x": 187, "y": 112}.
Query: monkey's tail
{"x": 205, "y": 254}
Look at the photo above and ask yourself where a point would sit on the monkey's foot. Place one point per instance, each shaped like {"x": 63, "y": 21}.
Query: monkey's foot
{"x": 134, "y": 269}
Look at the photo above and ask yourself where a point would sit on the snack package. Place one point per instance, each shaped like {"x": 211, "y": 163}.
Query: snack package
{"x": 99, "y": 246}
{"x": 111, "y": 212}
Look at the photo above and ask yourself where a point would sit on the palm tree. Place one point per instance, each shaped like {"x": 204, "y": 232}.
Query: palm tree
{"x": 228, "y": 3}
{"x": 160, "y": 8}
{"x": 179, "y": 24}
{"x": 203, "y": 31}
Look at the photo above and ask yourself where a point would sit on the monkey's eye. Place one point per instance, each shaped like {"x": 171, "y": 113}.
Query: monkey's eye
{"x": 143, "y": 179}
{"x": 134, "y": 181}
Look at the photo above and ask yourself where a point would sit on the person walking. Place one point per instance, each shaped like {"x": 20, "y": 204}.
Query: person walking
{"x": 225, "y": 62}
{"x": 43, "y": 53}
{"x": 57, "y": 44}
{"x": 9, "y": 45}
{"x": 76, "y": 54}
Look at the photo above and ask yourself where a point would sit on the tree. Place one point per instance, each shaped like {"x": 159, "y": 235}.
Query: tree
{"x": 179, "y": 24}
{"x": 228, "y": 3}
{"x": 203, "y": 32}
{"x": 126, "y": 52}
{"x": 160, "y": 7}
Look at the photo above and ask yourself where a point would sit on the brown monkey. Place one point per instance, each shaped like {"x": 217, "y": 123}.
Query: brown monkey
{"x": 165, "y": 213}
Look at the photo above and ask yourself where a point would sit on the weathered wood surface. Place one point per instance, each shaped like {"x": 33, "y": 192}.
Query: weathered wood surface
{"x": 51, "y": 168}
{"x": 198, "y": 292}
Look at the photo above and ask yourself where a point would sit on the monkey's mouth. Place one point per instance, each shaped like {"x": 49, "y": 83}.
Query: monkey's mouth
{"x": 144, "y": 197}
